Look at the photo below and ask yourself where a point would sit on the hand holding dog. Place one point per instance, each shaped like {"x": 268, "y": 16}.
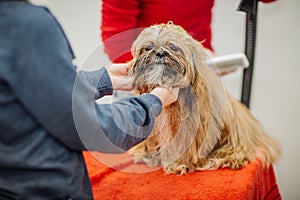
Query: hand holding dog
{"x": 119, "y": 77}
{"x": 166, "y": 95}
{"x": 122, "y": 81}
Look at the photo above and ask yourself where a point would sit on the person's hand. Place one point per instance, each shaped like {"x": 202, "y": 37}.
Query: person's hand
{"x": 166, "y": 95}
{"x": 119, "y": 76}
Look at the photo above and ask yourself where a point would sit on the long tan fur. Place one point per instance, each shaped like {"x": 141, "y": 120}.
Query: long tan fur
{"x": 206, "y": 128}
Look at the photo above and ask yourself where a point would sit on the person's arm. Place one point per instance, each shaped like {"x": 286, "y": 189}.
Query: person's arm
{"x": 117, "y": 18}
{"x": 98, "y": 79}
{"x": 46, "y": 84}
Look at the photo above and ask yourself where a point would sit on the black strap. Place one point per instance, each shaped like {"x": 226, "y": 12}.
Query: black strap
{"x": 250, "y": 7}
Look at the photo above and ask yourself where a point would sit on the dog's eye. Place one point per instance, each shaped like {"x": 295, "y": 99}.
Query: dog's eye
{"x": 148, "y": 48}
{"x": 173, "y": 47}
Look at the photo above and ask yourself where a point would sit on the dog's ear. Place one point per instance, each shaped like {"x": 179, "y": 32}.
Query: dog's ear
{"x": 211, "y": 99}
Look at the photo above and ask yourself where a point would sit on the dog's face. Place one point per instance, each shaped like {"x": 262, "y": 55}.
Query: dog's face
{"x": 163, "y": 55}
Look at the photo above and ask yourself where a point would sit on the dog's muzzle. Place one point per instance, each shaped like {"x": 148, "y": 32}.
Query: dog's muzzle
{"x": 157, "y": 69}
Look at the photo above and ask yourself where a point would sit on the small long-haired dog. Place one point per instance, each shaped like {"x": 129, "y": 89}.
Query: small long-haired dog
{"x": 206, "y": 128}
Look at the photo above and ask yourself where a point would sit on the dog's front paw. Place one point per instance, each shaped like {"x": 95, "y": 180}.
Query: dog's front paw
{"x": 177, "y": 169}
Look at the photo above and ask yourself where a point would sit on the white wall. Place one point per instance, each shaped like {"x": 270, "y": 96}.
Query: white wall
{"x": 276, "y": 84}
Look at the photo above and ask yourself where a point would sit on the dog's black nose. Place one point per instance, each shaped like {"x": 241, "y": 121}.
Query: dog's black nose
{"x": 160, "y": 54}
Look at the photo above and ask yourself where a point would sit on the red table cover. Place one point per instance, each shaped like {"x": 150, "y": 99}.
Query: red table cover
{"x": 117, "y": 177}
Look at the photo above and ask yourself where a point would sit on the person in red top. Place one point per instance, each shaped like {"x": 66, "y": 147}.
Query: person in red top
{"x": 118, "y": 17}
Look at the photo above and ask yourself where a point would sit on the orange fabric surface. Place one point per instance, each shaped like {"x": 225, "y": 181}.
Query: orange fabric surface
{"x": 121, "y": 181}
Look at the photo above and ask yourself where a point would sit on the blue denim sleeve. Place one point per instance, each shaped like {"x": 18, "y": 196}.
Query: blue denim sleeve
{"x": 100, "y": 80}
{"x": 48, "y": 86}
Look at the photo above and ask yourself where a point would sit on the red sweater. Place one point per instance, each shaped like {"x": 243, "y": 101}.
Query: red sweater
{"x": 118, "y": 16}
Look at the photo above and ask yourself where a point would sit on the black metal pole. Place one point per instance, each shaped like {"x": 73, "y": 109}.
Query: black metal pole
{"x": 250, "y": 7}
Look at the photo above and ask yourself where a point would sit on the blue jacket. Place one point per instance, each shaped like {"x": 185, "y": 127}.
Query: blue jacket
{"x": 48, "y": 114}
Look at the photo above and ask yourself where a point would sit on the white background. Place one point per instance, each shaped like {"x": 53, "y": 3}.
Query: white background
{"x": 275, "y": 93}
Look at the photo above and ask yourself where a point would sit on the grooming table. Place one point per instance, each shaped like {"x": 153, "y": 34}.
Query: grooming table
{"x": 120, "y": 182}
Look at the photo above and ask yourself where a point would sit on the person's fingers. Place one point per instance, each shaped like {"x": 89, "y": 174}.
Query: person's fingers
{"x": 124, "y": 83}
{"x": 173, "y": 95}
{"x": 166, "y": 95}
{"x": 118, "y": 68}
